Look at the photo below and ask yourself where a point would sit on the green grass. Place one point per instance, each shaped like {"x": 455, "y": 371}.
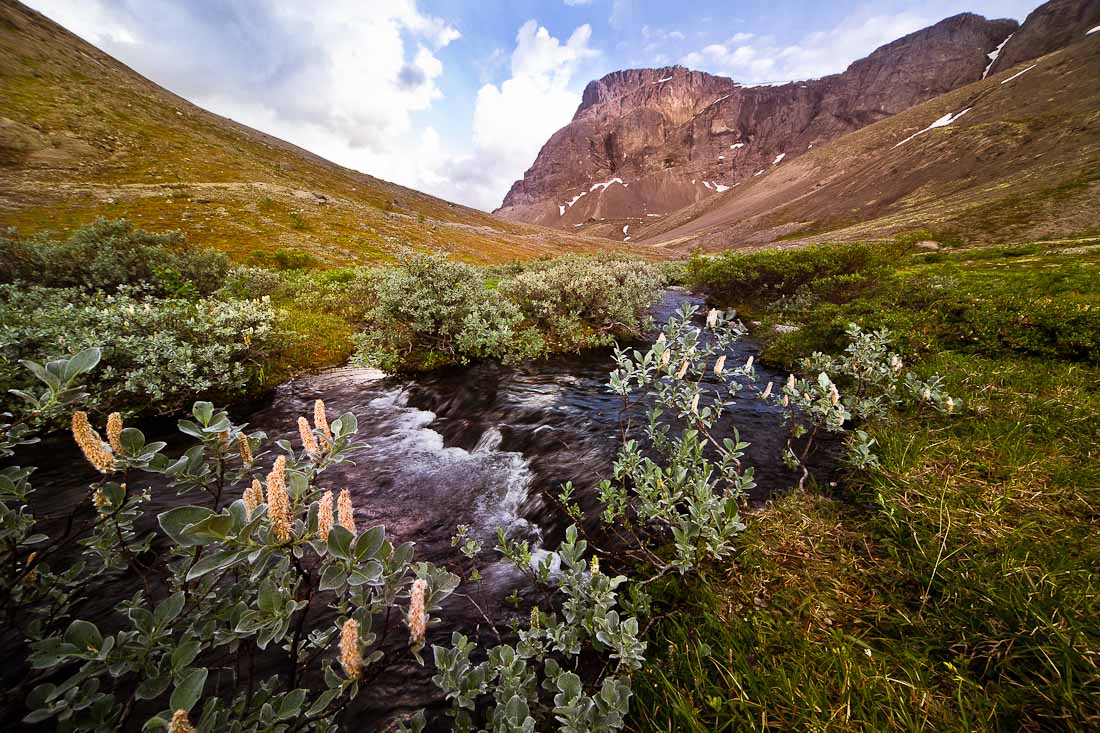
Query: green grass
{"x": 958, "y": 588}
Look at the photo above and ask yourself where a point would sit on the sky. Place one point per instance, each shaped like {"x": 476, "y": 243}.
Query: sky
{"x": 456, "y": 98}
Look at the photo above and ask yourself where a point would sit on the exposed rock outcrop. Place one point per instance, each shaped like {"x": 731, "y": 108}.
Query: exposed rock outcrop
{"x": 646, "y": 142}
{"x": 1049, "y": 27}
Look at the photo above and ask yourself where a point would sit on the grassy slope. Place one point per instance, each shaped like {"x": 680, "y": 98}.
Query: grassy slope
{"x": 958, "y": 588}
{"x": 1021, "y": 165}
{"x": 82, "y": 136}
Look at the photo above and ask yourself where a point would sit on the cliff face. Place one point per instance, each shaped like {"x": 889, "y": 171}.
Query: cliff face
{"x": 645, "y": 142}
{"x": 1049, "y": 27}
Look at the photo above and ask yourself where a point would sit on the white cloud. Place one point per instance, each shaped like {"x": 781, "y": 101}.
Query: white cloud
{"x": 753, "y": 59}
{"x": 343, "y": 78}
{"x": 575, "y": 3}
{"x": 757, "y": 59}
{"x": 513, "y": 120}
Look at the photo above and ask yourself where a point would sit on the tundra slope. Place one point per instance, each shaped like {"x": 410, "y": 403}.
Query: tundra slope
{"x": 83, "y": 136}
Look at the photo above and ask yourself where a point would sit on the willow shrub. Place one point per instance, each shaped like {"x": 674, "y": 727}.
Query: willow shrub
{"x": 161, "y": 352}
{"x": 107, "y": 254}
{"x": 432, "y": 311}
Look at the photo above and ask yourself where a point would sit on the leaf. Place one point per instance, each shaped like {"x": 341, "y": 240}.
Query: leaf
{"x": 153, "y": 687}
{"x": 339, "y": 542}
{"x": 175, "y": 521}
{"x": 132, "y": 441}
{"x": 203, "y": 411}
{"x": 370, "y": 542}
{"x": 210, "y": 563}
{"x": 291, "y": 704}
{"x": 84, "y": 635}
{"x": 81, "y": 363}
{"x": 184, "y": 654}
{"x": 188, "y": 690}
{"x": 333, "y": 577}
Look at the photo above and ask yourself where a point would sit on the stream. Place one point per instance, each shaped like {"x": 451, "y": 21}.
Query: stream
{"x": 484, "y": 445}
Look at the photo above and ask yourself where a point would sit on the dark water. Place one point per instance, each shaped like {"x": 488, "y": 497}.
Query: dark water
{"x": 484, "y": 445}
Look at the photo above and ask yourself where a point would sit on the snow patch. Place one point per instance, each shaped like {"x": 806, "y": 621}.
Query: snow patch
{"x": 992, "y": 55}
{"x": 626, "y": 229}
{"x": 720, "y": 188}
{"x": 1094, "y": 30}
{"x": 657, "y": 215}
{"x": 603, "y": 186}
{"x": 706, "y": 184}
{"x": 779, "y": 159}
{"x": 759, "y": 172}
{"x": 662, "y": 81}
{"x": 737, "y": 145}
{"x": 569, "y": 204}
{"x": 944, "y": 121}
{"x": 721, "y": 157}
{"x": 1019, "y": 73}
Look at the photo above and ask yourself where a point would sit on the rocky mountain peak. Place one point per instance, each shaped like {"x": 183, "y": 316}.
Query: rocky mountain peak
{"x": 645, "y": 142}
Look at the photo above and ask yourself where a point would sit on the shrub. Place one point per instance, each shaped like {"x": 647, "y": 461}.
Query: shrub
{"x": 161, "y": 351}
{"x": 432, "y": 311}
{"x": 580, "y": 302}
{"x": 833, "y": 272}
{"x": 108, "y": 254}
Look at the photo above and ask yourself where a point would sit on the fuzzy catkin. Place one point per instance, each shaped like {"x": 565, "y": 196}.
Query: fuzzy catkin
{"x": 245, "y": 449}
{"x": 181, "y": 723}
{"x": 350, "y": 658}
{"x": 320, "y": 419}
{"x": 308, "y": 441}
{"x": 418, "y": 617}
{"x": 91, "y": 444}
{"x": 345, "y": 512}
{"x": 253, "y": 497}
{"x": 278, "y": 502}
{"x": 114, "y": 431}
{"x": 324, "y": 516}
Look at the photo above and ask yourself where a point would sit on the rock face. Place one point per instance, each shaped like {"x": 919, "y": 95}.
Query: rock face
{"x": 646, "y": 142}
{"x": 1049, "y": 27}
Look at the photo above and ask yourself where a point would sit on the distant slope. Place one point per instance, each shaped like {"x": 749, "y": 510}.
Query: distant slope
{"x": 82, "y": 136}
{"x": 1019, "y": 159}
{"x": 646, "y": 142}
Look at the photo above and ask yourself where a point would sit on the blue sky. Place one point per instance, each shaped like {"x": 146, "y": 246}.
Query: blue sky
{"x": 456, "y": 98}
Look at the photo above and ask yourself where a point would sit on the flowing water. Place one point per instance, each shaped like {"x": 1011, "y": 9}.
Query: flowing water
{"x": 483, "y": 445}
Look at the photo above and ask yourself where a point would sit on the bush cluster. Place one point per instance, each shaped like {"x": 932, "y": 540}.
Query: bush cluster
{"x": 431, "y": 311}
{"x": 107, "y": 254}
{"x": 161, "y": 352}
{"x": 831, "y": 272}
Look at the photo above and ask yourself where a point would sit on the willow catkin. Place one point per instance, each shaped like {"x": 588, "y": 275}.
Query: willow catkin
{"x": 345, "y": 512}
{"x": 253, "y": 497}
{"x": 712, "y": 318}
{"x": 350, "y": 658}
{"x": 308, "y": 441}
{"x": 719, "y": 365}
{"x": 181, "y": 723}
{"x": 320, "y": 419}
{"x": 278, "y": 502}
{"x": 595, "y": 565}
{"x": 695, "y": 405}
{"x": 114, "y": 431}
{"x": 324, "y": 516}
{"x": 683, "y": 369}
{"x": 91, "y": 444}
{"x": 767, "y": 392}
{"x": 418, "y": 616}
{"x": 245, "y": 449}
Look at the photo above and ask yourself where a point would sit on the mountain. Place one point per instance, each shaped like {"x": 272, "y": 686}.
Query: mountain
{"x": 1012, "y": 157}
{"x": 647, "y": 142}
{"x": 83, "y": 136}
{"x": 1049, "y": 27}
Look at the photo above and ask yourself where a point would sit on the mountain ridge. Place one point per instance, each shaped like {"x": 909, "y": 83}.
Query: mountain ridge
{"x": 677, "y": 136}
